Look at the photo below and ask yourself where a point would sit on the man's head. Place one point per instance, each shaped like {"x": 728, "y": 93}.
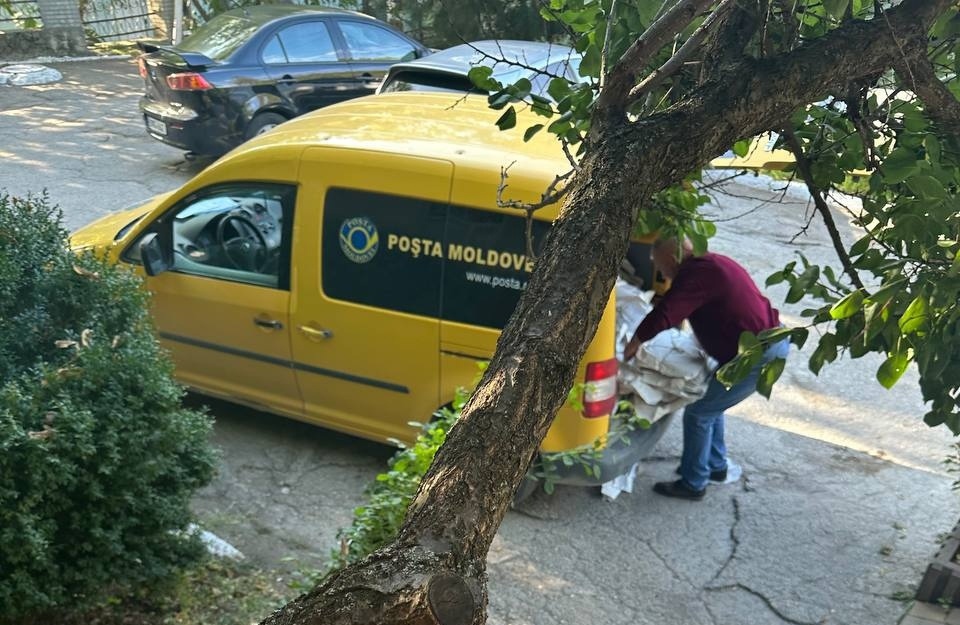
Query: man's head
{"x": 669, "y": 253}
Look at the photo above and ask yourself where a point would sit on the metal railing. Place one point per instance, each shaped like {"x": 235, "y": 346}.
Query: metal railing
{"x": 22, "y": 14}
{"x": 114, "y": 20}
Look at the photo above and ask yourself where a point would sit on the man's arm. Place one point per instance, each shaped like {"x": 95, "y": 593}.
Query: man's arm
{"x": 686, "y": 294}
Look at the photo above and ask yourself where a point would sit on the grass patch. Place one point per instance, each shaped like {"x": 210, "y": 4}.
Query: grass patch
{"x": 126, "y": 47}
{"x": 216, "y": 592}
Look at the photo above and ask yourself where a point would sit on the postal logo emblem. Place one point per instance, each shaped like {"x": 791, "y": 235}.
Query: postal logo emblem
{"x": 359, "y": 239}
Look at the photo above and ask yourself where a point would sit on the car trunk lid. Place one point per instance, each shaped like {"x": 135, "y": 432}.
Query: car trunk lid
{"x": 160, "y": 62}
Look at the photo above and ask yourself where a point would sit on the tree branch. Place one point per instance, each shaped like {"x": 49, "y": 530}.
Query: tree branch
{"x": 489, "y": 448}
{"x": 675, "y": 62}
{"x": 940, "y": 105}
{"x": 624, "y": 74}
{"x": 803, "y": 165}
{"x": 551, "y": 195}
{"x": 854, "y": 112}
{"x": 606, "y": 43}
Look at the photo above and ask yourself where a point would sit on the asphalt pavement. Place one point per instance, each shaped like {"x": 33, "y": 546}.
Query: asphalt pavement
{"x": 844, "y": 493}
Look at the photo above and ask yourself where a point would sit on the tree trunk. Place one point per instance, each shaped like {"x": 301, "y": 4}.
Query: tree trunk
{"x": 435, "y": 571}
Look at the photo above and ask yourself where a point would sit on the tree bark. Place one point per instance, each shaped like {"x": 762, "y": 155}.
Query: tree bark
{"x": 435, "y": 573}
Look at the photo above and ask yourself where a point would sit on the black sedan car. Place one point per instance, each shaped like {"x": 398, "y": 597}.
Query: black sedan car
{"x": 249, "y": 69}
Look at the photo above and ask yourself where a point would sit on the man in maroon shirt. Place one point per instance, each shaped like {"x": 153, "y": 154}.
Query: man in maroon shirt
{"x": 721, "y": 301}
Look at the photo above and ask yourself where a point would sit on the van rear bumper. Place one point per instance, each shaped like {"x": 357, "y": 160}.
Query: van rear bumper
{"x": 618, "y": 457}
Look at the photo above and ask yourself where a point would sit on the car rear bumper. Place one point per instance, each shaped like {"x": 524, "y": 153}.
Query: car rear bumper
{"x": 617, "y": 458}
{"x": 188, "y": 130}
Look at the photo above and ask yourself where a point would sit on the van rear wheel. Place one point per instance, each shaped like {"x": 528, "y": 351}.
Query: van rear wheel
{"x": 527, "y": 488}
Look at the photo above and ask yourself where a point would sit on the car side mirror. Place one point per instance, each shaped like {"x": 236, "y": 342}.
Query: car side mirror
{"x": 155, "y": 260}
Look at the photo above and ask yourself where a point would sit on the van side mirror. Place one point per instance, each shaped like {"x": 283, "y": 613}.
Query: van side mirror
{"x": 155, "y": 260}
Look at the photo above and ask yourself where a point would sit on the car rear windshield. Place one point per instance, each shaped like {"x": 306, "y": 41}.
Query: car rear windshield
{"x": 428, "y": 81}
{"x": 220, "y": 37}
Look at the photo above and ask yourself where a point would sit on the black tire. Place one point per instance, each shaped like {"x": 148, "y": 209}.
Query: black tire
{"x": 263, "y": 122}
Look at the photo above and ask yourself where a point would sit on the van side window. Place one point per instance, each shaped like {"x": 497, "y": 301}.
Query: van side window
{"x": 236, "y": 232}
{"x": 487, "y": 266}
{"x": 383, "y": 250}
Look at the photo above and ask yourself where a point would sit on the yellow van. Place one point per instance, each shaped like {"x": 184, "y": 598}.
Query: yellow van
{"x": 350, "y": 267}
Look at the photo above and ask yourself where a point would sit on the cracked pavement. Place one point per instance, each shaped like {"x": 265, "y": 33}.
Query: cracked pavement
{"x": 843, "y": 494}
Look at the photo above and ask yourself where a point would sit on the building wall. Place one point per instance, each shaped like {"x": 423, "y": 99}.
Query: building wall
{"x": 161, "y": 17}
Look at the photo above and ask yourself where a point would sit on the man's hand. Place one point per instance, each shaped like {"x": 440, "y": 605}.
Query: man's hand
{"x": 631, "y": 350}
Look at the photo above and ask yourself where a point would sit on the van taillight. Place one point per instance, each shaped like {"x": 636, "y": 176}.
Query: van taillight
{"x": 600, "y": 394}
{"x": 143, "y": 67}
{"x": 188, "y": 82}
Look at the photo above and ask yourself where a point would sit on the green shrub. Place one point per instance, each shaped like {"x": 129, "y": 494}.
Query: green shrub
{"x": 377, "y": 522}
{"x": 98, "y": 460}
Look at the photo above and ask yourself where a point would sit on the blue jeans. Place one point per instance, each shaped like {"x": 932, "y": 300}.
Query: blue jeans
{"x": 703, "y": 448}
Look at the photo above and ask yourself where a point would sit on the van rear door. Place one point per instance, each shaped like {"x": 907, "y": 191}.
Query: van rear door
{"x": 365, "y": 313}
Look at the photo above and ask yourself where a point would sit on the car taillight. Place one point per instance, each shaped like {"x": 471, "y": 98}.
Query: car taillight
{"x": 143, "y": 67}
{"x": 188, "y": 82}
{"x": 600, "y": 394}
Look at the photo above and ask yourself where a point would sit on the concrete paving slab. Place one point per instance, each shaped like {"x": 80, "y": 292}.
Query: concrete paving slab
{"x": 815, "y": 533}
{"x": 82, "y": 138}
{"x": 926, "y": 613}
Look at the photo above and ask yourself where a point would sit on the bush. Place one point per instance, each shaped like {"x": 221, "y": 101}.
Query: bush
{"x": 388, "y": 496}
{"x": 98, "y": 460}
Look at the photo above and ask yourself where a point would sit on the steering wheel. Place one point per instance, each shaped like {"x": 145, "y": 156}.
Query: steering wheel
{"x": 246, "y": 249}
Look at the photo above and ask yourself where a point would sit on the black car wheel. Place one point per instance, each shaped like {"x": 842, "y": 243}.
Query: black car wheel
{"x": 263, "y": 122}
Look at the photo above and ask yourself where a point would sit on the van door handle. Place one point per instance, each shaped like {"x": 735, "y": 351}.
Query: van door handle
{"x": 266, "y": 322}
{"x": 315, "y": 334}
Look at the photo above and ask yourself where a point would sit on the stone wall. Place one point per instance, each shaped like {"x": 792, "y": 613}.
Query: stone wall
{"x": 61, "y": 35}
{"x": 50, "y": 41}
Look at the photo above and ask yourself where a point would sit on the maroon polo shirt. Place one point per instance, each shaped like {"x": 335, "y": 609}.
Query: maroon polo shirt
{"x": 721, "y": 301}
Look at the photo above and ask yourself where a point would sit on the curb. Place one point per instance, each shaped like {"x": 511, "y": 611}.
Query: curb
{"x": 941, "y": 582}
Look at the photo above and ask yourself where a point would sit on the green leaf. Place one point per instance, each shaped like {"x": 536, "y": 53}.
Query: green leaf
{"x": 836, "y": 8}
{"x": 741, "y": 148}
{"x": 774, "y": 335}
{"x": 825, "y": 352}
{"x": 891, "y": 369}
{"x": 480, "y": 76}
{"x": 914, "y": 318}
{"x": 508, "y": 119}
{"x": 769, "y": 374}
{"x": 590, "y": 65}
{"x": 899, "y": 165}
{"x": 927, "y": 187}
{"x": 738, "y": 368}
{"x": 932, "y": 147}
{"x": 748, "y": 341}
{"x": 775, "y": 278}
{"x": 499, "y": 99}
{"x": 861, "y": 245}
{"x": 531, "y": 131}
{"x": 541, "y": 105}
{"x": 559, "y": 88}
{"x": 521, "y": 88}
{"x": 850, "y": 305}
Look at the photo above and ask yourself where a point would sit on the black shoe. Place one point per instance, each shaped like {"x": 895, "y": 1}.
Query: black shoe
{"x": 678, "y": 489}
{"x": 719, "y": 477}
